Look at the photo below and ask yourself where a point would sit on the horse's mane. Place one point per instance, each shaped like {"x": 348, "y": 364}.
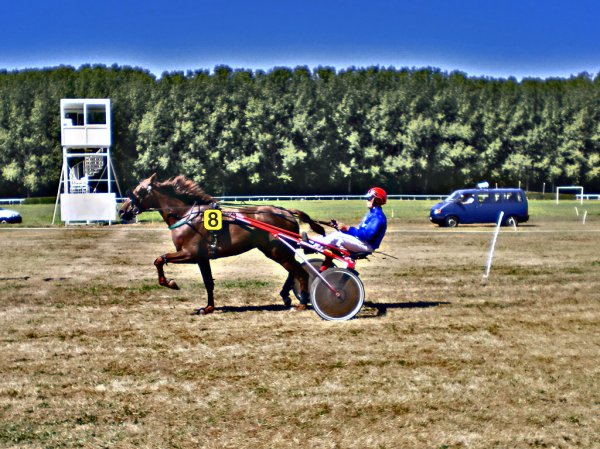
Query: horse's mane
{"x": 185, "y": 190}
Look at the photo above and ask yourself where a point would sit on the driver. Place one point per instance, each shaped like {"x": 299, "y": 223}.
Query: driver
{"x": 467, "y": 198}
{"x": 368, "y": 234}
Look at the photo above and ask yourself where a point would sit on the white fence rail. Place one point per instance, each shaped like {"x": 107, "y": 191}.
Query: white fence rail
{"x": 12, "y": 200}
{"x": 244, "y": 198}
{"x": 321, "y": 197}
{"x": 591, "y": 196}
{"x": 282, "y": 198}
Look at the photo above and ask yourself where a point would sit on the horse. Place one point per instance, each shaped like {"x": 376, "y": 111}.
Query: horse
{"x": 182, "y": 203}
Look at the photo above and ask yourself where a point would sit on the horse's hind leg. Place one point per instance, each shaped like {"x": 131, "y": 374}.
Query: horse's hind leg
{"x": 286, "y": 259}
{"x": 297, "y": 272}
{"x": 286, "y": 289}
{"x": 209, "y": 283}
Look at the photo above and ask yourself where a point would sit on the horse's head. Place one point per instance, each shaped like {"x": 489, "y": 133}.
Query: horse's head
{"x": 139, "y": 199}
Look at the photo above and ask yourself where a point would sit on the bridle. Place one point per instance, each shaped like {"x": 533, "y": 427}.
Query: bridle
{"x": 144, "y": 192}
{"x": 136, "y": 201}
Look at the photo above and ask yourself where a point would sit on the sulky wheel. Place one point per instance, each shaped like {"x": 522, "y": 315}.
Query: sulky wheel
{"x": 330, "y": 306}
{"x": 311, "y": 275}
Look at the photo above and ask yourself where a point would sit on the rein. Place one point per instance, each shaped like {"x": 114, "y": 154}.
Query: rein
{"x": 190, "y": 216}
{"x": 230, "y": 209}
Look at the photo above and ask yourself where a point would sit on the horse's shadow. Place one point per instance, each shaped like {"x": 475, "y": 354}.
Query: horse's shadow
{"x": 242, "y": 309}
{"x": 381, "y": 308}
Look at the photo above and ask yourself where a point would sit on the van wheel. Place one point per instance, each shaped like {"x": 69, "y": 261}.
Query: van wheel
{"x": 451, "y": 221}
{"x": 511, "y": 221}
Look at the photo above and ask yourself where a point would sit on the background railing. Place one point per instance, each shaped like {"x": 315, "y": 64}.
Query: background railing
{"x": 12, "y": 200}
{"x": 590, "y": 196}
{"x": 280, "y": 198}
{"x": 321, "y": 197}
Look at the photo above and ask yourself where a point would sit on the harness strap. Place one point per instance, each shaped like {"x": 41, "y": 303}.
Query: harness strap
{"x": 212, "y": 246}
{"x": 180, "y": 223}
{"x": 186, "y": 219}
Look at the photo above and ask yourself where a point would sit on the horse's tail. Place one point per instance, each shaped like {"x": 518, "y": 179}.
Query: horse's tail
{"x": 303, "y": 217}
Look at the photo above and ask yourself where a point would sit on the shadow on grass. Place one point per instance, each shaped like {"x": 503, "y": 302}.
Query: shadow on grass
{"x": 241, "y": 309}
{"x": 380, "y": 307}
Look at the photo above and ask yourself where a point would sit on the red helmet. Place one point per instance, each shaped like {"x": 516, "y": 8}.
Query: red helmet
{"x": 377, "y": 192}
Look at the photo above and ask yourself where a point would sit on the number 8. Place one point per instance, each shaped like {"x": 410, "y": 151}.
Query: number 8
{"x": 213, "y": 219}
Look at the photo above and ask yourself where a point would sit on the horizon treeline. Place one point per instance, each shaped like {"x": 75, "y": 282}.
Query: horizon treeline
{"x": 310, "y": 131}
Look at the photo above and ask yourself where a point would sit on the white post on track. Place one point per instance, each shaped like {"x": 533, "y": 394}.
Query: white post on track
{"x": 492, "y": 246}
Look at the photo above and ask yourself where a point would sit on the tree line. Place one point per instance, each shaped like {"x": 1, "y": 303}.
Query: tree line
{"x": 310, "y": 131}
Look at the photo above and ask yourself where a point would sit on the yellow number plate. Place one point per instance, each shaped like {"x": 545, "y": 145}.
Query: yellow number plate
{"x": 213, "y": 219}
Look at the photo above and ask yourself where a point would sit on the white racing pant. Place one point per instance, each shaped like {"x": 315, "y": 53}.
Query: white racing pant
{"x": 347, "y": 241}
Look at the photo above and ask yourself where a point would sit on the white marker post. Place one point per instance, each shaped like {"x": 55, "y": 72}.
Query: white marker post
{"x": 492, "y": 246}
{"x": 584, "y": 216}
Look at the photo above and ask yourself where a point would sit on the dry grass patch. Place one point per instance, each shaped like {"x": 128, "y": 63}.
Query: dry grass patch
{"x": 94, "y": 354}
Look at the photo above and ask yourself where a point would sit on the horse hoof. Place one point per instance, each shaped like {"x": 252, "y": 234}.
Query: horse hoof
{"x": 204, "y": 310}
{"x": 286, "y": 301}
{"x": 173, "y": 285}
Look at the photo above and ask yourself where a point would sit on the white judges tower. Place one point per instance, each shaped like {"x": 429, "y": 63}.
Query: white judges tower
{"x": 86, "y": 189}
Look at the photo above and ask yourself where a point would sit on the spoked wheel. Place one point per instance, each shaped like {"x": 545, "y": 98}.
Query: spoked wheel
{"x": 311, "y": 275}
{"x": 341, "y": 306}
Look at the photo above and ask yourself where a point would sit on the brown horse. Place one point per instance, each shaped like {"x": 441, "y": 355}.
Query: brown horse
{"x": 182, "y": 203}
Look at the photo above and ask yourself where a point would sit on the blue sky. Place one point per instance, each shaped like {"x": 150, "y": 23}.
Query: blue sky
{"x": 523, "y": 38}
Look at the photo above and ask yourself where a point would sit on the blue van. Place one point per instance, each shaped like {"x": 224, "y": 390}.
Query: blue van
{"x": 481, "y": 206}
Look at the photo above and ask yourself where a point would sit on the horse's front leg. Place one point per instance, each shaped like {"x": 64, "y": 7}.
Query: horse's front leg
{"x": 209, "y": 283}
{"x": 177, "y": 257}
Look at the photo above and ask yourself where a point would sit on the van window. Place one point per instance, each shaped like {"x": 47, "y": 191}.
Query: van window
{"x": 514, "y": 197}
{"x": 454, "y": 197}
{"x": 483, "y": 198}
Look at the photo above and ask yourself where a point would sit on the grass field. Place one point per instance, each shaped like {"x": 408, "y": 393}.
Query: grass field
{"x": 93, "y": 353}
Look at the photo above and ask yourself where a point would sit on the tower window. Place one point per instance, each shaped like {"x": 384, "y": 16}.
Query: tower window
{"x": 96, "y": 115}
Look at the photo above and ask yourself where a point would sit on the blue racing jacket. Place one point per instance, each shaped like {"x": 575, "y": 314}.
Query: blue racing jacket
{"x": 371, "y": 229}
